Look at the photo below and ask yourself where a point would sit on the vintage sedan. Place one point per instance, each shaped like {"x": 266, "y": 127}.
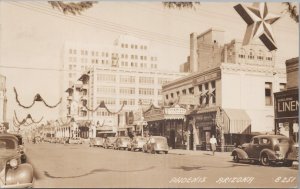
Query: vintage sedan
{"x": 109, "y": 142}
{"x": 137, "y": 143}
{"x": 122, "y": 143}
{"x": 267, "y": 149}
{"x": 97, "y": 141}
{"x": 75, "y": 140}
{"x": 156, "y": 144}
{"x": 13, "y": 174}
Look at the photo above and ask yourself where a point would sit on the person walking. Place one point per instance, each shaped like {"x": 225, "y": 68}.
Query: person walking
{"x": 213, "y": 142}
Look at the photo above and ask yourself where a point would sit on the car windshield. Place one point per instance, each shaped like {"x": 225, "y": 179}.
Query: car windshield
{"x": 7, "y": 144}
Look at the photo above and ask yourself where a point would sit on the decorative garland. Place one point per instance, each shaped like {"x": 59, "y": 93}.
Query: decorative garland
{"x": 102, "y": 105}
{"x": 24, "y": 121}
{"x": 37, "y": 97}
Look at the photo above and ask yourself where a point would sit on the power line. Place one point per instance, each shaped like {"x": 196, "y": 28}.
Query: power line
{"x": 93, "y": 24}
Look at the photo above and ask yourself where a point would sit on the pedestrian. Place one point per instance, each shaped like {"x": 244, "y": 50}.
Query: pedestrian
{"x": 213, "y": 142}
{"x": 152, "y": 142}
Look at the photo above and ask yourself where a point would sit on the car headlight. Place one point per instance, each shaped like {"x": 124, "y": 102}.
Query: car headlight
{"x": 13, "y": 163}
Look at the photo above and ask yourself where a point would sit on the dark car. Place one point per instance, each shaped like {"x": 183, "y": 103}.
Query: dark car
{"x": 267, "y": 149}
{"x": 137, "y": 143}
{"x": 156, "y": 144}
{"x": 13, "y": 174}
{"x": 109, "y": 142}
{"x": 122, "y": 143}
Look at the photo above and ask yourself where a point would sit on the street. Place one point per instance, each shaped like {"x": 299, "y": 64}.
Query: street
{"x": 81, "y": 166}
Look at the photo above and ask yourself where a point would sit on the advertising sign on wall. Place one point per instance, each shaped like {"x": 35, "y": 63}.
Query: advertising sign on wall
{"x": 287, "y": 104}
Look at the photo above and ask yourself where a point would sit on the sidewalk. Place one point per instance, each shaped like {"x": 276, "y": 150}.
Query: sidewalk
{"x": 198, "y": 152}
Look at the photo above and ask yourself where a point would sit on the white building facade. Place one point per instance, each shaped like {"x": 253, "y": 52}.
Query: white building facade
{"x": 229, "y": 85}
{"x": 124, "y": 73}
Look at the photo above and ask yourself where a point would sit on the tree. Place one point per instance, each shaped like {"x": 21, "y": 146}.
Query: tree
{"x": 292, "y": 10}
{"x": 73, "y": 8}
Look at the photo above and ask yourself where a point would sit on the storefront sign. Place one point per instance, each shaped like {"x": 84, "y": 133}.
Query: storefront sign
{"x": 286, "y": 104}
{"x": 175, "y": 110}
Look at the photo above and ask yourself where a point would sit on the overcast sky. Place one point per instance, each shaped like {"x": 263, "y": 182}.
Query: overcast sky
{"x": 33, "y": 34}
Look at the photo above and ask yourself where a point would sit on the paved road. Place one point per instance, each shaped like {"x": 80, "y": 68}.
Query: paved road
{"x": 58, "y": 165}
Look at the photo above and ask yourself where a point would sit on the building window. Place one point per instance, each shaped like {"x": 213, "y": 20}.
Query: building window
{"x": 167, "y": 97}
{"x": 282, "y": 86}
{"x": 268, "y": 93}
{"x": 251, "y": 54}
{"x": 184, "y": 91}
{"x": 242, "y": 53}
{"x": 178, "y": 93}
{"x": 172, "y": 95}
{"x": 191, "y": 90}
{"x": 269, "y": 56}
{"x": 260, "y": 55}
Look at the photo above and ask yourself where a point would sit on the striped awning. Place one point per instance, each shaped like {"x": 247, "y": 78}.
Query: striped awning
{"x": 237, "y": 121}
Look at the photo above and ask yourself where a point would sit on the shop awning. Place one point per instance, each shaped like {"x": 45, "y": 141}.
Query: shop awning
{"x": 237, "y": 121}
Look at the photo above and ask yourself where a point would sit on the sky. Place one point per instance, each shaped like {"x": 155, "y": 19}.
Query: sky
{"x": 32, "y": 35}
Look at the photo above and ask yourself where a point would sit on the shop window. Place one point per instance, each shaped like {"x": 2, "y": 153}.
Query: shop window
{"x": 268, "y": 94}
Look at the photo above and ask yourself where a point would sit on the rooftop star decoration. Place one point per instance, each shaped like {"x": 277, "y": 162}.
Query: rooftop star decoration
{"x": 259, "y": 22}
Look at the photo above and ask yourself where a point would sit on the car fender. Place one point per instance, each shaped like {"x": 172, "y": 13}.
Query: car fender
{"x": 270, "y": 153}
{"x": 22, "y": 174}
{"x": 240, "y": 152}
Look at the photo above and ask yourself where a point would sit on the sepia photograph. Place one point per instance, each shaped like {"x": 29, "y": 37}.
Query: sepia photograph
{"x": 149, "y": 94}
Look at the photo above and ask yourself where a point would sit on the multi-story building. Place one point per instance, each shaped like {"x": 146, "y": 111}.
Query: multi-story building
{"x": 126, "y": 52}
{"x": 230, "y": 87}
{"x": 120, "y": 75}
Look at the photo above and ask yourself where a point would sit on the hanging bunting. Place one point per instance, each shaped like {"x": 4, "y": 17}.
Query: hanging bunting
{"x": 24, "y": 121}
{"x": 102, "y": 105}
{"x": 37, "y": 97}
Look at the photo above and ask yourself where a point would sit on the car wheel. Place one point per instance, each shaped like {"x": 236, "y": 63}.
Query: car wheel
{"x": 288, "y": 163}
{"x": 132, "y": 149}
{"x": 264, "y": 160}
{"x": 236, "y": 158}
{"x": 166, "y": 152}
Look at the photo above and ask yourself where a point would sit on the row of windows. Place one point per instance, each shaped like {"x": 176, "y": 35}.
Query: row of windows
{"x": 146, "y": 91}
{"x": 251, "y": 55}
{"x": 207, "y": 91}
{"x": 133, "y": 46}
{"x": 106, "y": 90}
{"x": 127, "y": 79}
{"x": 130, "y": 90}
{"x": 162, "y": 81}
{"x": 130, "y": 102}
{"x": 146, "y": 80}
{"x": 106, "y": 77}
{"x": 103, "y": 113}
{"x": 107, "y": 101}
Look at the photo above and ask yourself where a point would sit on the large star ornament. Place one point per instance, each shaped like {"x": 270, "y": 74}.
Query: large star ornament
{"x": 259, "y": 22}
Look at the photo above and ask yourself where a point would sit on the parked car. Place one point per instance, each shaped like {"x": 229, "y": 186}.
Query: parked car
{"x": 13, "y": 174}
{"x": 267, "y": 149}
{"x": 109, "y": 142}
{"x": 122, "y": 143}
{"x": 75, "y": 140}
{"x": 156, "y": 144}
{"x": 137, "y": 143}
{"x": 97, "y": 141}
